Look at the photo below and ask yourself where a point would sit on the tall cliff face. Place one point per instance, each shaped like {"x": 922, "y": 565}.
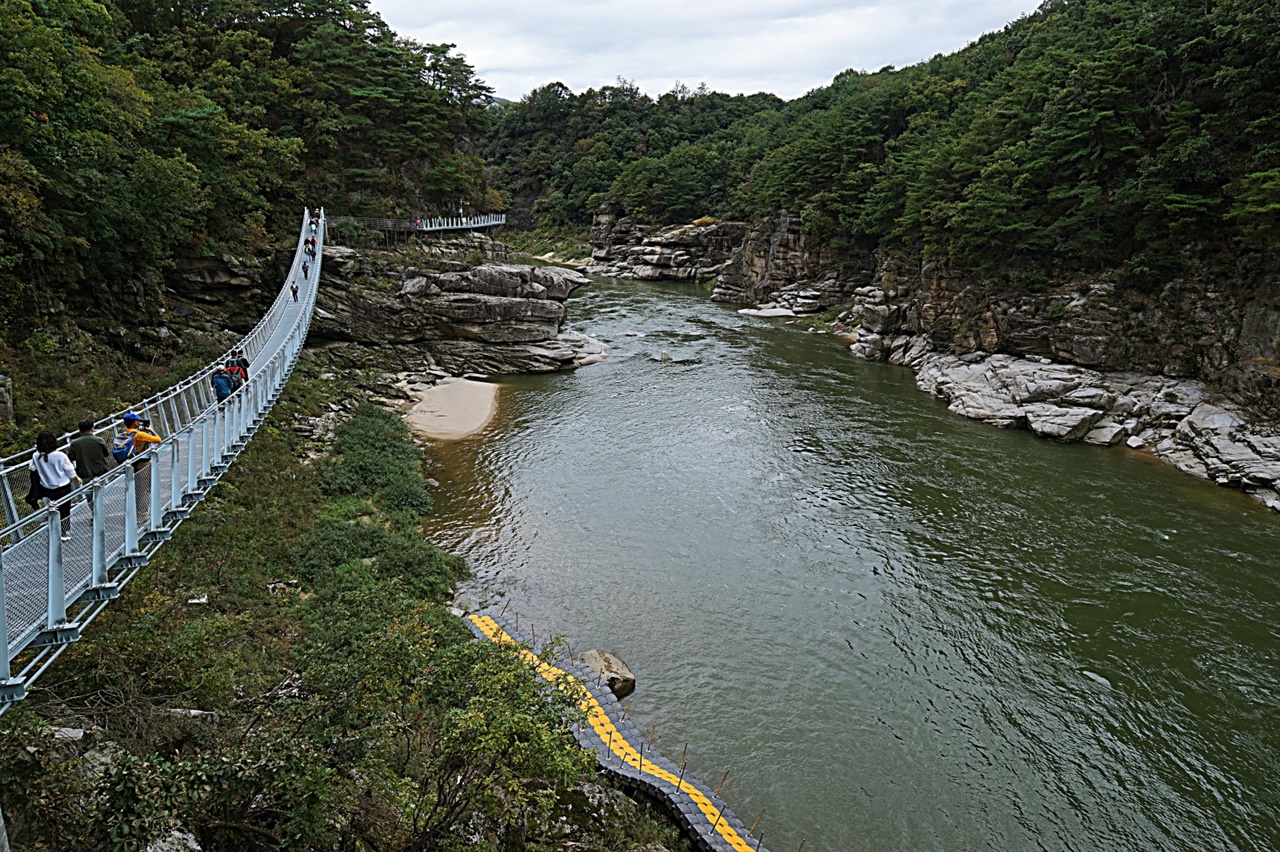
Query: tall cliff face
{"x": 1218, "y": 323}
{"x": 623, "y": 248}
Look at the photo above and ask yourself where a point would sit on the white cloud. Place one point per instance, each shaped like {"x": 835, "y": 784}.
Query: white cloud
{"x": 782, "y": 46}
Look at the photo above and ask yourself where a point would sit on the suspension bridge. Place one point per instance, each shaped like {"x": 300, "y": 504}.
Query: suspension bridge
{"x": 55, "y": 582}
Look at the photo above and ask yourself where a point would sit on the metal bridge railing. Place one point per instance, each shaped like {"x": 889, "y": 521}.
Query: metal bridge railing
{"x": 51, "y": 587}
{"x": 440, "y": 223}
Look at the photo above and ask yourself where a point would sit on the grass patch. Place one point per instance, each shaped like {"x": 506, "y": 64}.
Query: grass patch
{"x": 568, "y": 241}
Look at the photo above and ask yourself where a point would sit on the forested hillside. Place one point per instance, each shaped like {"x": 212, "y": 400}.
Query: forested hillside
{"x": 134, "y": 132}
{"x": 1093, "y": 133}
{"x": 556, "y": 155}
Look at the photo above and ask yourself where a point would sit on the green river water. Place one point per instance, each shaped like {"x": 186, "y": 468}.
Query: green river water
{"x": 896, "y": 628}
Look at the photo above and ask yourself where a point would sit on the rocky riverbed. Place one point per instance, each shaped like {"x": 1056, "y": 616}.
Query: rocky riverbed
{"x": 1179, "y": 421}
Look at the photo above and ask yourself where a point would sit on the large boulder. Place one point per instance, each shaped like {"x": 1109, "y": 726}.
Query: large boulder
{"x": 610, "y": 669}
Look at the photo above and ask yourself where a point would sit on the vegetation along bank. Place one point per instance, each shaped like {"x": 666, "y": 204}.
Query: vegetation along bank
{"x": 287, "y": 675}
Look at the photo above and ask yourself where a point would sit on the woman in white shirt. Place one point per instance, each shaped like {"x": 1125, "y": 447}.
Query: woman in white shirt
{"x": 56, "y": 474}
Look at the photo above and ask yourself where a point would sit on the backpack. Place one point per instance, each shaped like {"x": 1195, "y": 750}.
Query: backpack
{"x": 122, "y": 447}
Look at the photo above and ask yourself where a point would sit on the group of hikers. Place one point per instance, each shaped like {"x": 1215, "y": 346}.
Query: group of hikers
{"x": 227, "y": 380}
{"x": 56, "y": 473}
{"x": 309, "y": 248}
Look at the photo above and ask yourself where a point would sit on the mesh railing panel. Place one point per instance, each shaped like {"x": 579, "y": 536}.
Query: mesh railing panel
{"x": 164, "y": 463}
{"x": 77, "y": 553}
{"x": 26, "y": 584}
{"x": 113, "y": 504}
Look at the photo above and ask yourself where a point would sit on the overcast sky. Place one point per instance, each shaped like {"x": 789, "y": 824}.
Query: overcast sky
{"x": 737, "y": 46}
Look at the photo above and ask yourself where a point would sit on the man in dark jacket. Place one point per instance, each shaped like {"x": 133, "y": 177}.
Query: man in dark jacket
{"x": 89, "y": 453}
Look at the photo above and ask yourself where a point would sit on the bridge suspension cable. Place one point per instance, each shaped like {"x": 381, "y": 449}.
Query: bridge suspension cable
{"x": 55, "y": 580}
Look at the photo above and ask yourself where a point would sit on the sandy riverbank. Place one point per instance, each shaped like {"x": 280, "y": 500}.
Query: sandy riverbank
{"x": 453, "y": 409}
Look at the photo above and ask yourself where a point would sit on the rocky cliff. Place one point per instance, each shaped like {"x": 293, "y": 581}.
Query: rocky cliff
{"x": 491, "y": 318}
{"x": 623, "y": 248}
{"x": 1186, "y": 366}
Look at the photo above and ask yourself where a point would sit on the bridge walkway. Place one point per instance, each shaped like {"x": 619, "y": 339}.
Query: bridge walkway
{"x": 439, "y": 223}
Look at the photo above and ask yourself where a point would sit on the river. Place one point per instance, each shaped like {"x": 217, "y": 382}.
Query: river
{"x": 896, "y": 628}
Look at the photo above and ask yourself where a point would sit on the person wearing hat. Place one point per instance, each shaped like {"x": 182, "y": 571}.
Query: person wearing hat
{"x": 141, "y": 437}
{"x": 221, "y": 382}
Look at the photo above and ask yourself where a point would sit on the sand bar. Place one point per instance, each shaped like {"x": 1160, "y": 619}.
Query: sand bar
{"x": 453, "y": 409}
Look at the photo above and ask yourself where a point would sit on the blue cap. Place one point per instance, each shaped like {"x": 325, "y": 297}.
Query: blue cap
{"x": 130, "y": 416}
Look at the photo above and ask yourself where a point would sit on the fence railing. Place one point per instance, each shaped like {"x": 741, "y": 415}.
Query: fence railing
{"x": 56, "y": 575}
{"x": 440, "y": 223}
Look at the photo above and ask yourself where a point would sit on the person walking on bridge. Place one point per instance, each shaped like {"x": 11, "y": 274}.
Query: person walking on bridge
{"x": 293, "y": 288}
{"x": 55, "y": 472}
{"x": 90, "y": 453}
{"x": 143, "y": 436}
{"x": 221, "y": 383}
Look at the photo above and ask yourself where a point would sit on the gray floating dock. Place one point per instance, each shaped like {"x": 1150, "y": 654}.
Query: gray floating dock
{"x": 621, "y": 749}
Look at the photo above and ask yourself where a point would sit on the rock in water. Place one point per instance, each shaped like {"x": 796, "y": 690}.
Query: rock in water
{"x": 610, "y": 668}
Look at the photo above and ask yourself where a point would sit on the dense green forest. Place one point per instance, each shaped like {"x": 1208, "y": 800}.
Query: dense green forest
{"x": 134, "y": 132}
{"x": 1091, "y": 133}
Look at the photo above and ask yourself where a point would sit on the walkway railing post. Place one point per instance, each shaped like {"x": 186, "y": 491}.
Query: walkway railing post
{"x": 219, "y": 425}
{"x": 154, "y": 503}
{"x": 99, "y": 534}
{"x": 203, "y": 440}
{"x": 130, "y": 511}
{"x": 57, "y": 613}
{"x": 5, "y": 674}
{"x": 175, "y": 478}
{"x": 193, "y": 459}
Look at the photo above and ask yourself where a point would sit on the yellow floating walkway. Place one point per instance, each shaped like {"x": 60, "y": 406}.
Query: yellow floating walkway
{"x": 621, "y": 749}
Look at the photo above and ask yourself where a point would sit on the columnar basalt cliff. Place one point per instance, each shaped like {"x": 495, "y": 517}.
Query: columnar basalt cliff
{"x": 1188, "y": 367}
